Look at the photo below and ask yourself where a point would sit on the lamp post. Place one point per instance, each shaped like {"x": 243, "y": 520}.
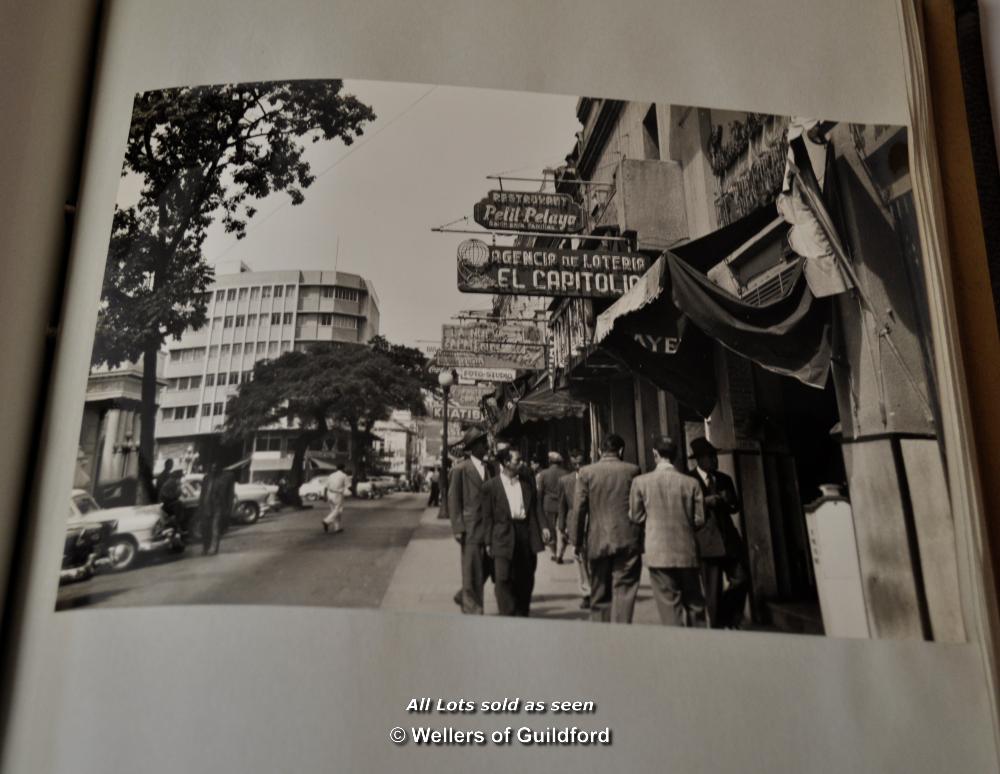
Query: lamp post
{"x": 445, "y": 379}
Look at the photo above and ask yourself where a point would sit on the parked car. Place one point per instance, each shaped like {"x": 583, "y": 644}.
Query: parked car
{"x": 314, "y": 489}
{"x": 385, "y": 484}
{"x": 252, "y": 500}
{"x": 85, "y": 546}
{"x": 138, "y": 528}
{"x": 367, "y": 490}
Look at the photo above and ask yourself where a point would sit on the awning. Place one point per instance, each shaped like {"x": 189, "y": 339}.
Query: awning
{"x": 542, "y": 403}
{"x": 650, "y": 287}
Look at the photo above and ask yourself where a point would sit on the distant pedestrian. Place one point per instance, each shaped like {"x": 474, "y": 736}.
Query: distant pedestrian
{"x": 215, "y": 506}
{"x": 567, "y": 500}
{"x": 600, "y": 523}
{"x": 722, "y": 549}
{"x": 465, "y": 488}
{"x": 171, "y": 492}
{"x": 515, "y": 531}
{"x": 548, "y": 497}
{"x": 669, "y": 503}
{"x": 434, "y": 481}
{"x": 161, "y": 479}
{"x": 336, "y": 492}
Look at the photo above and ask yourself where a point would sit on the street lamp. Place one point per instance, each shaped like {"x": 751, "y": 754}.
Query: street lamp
{"x": 445, "y": 379}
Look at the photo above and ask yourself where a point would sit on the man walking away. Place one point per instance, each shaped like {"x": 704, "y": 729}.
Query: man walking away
{"x": 164, "y": 476}
{"x": 613, "y": 543}
{"x": 336, "y": 491}
{"x": 515, "y": 531}
{"x": 215, "y": 506}
{"x": 465, "y": 487}
{"x": 548, "y": 498}
{"x": 435, "y": 497}
{"x": 567, "y": 498}
{"x": 723, "y": 552}
{"x": 669, "y": 504}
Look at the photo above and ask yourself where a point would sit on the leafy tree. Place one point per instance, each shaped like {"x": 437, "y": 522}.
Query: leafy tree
{"x": 331, "y": 386}
{"x": 409, "y": 359}
{"x": 201, "y": 155}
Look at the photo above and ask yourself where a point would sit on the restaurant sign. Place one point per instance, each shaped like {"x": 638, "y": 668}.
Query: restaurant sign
{"x": 549, "y": 213}
{"x": 525, "y": 271}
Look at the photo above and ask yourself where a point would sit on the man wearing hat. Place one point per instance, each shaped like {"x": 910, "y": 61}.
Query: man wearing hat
{"x": 465, "y": 488}
{"x": 720, "y": 544}
{"x": 548, "y": 496}
{"x": 669, "y": 504}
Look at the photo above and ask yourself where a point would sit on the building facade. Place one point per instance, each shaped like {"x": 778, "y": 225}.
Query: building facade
{"x": 254, "y": 316}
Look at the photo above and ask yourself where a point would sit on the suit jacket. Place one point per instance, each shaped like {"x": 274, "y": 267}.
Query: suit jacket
{"x": 567, "y": 498}
{"x": 601, "y": 507}
{"x": 498, "y": 525}
{"x": 548, "y": 489}
{"x": 464, "y": 498}
{"x": 719, "y": 537}
{"x": 217, "y": 497}
{"x": 671, "y": 506}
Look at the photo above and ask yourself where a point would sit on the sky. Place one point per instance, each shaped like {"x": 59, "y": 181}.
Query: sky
{"x": 422, "y": 163}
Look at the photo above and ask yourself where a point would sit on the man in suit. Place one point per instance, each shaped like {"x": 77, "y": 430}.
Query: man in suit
{"x": 600, "y": 522}
{"x": 669, "y": 504}
{"x": 215, "y": 506}
{"x": 465, "y": 485}
{"x": 567, "y": 499}
{"x": 548, "y": 498}
{"x": 515, "y": 531}
{"x": 722, "y": 550}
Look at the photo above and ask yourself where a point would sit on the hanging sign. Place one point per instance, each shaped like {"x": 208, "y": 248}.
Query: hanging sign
{"x": 526, "y": 271}
{"x": 469, "y": 375}
{"x": 529, "y": 211}
{"x": 478, "y": 334}
{"x": 470, "y": 394}
{"x": 468, "y": 359}
{"x": 457, "y": 412}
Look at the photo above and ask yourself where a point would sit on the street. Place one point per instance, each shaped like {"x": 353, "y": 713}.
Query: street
{"x": 394, "y": 554}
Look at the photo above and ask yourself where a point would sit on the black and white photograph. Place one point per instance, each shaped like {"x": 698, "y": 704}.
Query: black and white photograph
{"x": 460, "y": 351}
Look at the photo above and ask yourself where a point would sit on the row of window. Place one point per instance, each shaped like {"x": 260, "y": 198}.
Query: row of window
{"x": 233, "y": 294}
{"x": 186, "y": 355}
{"x": 184, "y": 383}
{"x": 261, "y": 348}
{"x": 339, "y": 321}
{"x": 191, "y": 412}
{"x": 344, "y": 294}
{"x": 239, "y": 320}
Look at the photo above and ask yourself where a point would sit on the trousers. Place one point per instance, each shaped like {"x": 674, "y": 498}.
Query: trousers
{"x": 514, "y": 578}
{"x": 680, "y": 600}
{"x": 614, "y": 583}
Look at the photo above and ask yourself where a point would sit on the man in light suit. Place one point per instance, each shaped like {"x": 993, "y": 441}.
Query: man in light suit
{"x": 723, "y": 552}
{"x": 548, "y": 499}
{"x": 669, "y": 503}
{"x": 515, "y": 531}
{"x": 465, "y": 485}
{"x": 567, "y": 498}
{"x": 600, "y": 523}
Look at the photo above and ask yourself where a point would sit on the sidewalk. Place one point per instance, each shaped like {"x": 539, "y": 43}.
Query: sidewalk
{"x": 429, "y": 574}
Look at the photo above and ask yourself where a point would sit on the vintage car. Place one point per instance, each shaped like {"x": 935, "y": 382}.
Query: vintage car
{"x": 85, "y": 547}
{"x": 138, "y": 528}
{"x": 314, "y": 489}
{"x": 252, "y": 500}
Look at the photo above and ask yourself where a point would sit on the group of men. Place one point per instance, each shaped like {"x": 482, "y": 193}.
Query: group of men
{"x": 615, "y": 518}
{"x": 216, "y": 499}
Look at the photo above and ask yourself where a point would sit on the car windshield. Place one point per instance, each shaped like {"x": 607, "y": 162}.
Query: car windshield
{"x": 85, "y": 504}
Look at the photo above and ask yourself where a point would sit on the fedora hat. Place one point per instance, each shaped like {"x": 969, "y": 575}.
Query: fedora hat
{"x": 701, "y": 446}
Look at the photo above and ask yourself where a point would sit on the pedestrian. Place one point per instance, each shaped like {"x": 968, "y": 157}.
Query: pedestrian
{"x": 336, "y": 491}
{"x": 670, "y": 506}
{"x": 567, "y": 499}
{"x": 515, "y": 530}
{"x": 435, "y": 497}
{"x": 168, "y": 467}
{"x": 465, "y": 488}
{"x": 722, "y": 549}
{"x": 171, "y": 490}
{"x": 215, "y": 506}
{"x": 548, "y": 497}
{"x": 601, "y": 525}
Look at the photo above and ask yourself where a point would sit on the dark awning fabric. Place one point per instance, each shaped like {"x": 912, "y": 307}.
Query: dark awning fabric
{"x": 705, "y": 252}
{"x": 790, "y": 335}
{"x": 542, "y": 403}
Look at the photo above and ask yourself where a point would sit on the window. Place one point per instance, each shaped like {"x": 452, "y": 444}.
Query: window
{"x": 279, "y": 290}
{"x": 224, "y": 350}
{"x": 272, "y": 349}
{"x": 209, "y": 380}
{"x": 265, "y": 292}
{"x": 286, "y": 346}
{"x": 228, "y": 321}
{"x": 190, "y": 412}
{"x": 220, "y": 295}
{"x": 651, "y": 134}
{"x": 343, "y": 321}
{"x": 175, "y": 355}
{"x": 221, "y": 380}
{"x": 290, "y": 291}
{"x": 234, "y": 377}
{"x": 206, "y": 409}
{"x": 288, "y": 318}
{"x": 231, "y": 294}
{"x": 218, "y": 408}
{"x": 240, "y": 320}
{"x": 276, "y": 318}
{"x": 346, "y": 294}
{"x": 327, "y": 292}
{"x": 254, "y": 294}
{"x": 182, "y": 383}
{"x": 261, "y": 347}
{"x": 213, "y": 351}
{"x": 168, "y": 413}
{"x": 243, "y": 293}
{"x": 326, "y": 319}
{"x": 252, "y": 321}
{"x": 216, "y": 321}
{"x": 237, "y": 349}
{"x": 195, "y": 382}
